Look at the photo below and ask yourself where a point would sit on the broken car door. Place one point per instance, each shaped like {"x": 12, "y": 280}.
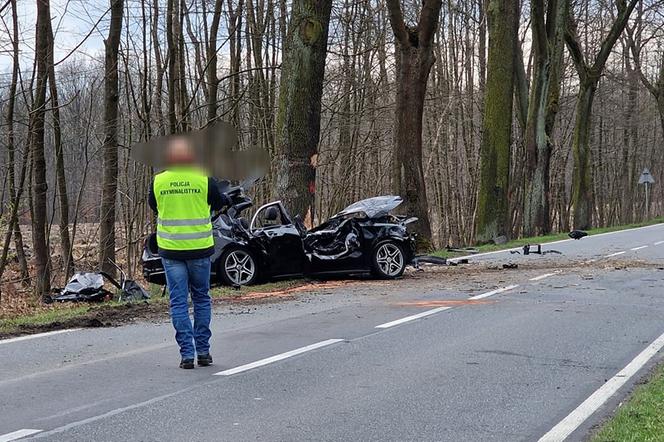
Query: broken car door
{"x": 273, "y": 227}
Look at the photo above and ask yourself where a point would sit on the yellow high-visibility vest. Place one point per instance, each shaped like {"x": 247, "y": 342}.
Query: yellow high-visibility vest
{"x": 184, "y": 213}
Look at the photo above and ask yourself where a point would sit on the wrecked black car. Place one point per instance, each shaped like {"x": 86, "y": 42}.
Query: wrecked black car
{"x": 364, "y": 238}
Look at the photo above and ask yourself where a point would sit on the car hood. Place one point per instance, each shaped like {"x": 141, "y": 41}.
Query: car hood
{"x": 373, "y": 207}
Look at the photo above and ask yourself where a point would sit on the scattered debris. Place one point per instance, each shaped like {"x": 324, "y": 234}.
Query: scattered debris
{"x": 89, "y": 287}
{"x": 511, "y": 265}
{"x": 83, "y": 286}
{"x": 470, "y": 250}
{"x": 428, "y": 260}
{"x": 527, "y": 250}
{"x": 577, "y": 234}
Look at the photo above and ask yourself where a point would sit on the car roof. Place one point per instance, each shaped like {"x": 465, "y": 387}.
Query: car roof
{"x": 373, "y": 207}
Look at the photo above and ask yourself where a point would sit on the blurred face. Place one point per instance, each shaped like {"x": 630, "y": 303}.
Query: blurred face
{"x": 179, "y": 152}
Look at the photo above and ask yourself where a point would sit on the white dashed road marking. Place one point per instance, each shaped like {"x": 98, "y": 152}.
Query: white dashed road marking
{"x": 614, "y": 254}
{"x": 494, "y": 292}
{"x": 658, "y": 243}
{"x": 540, "y": 277}
{"x": 278, "y": 357}
{"x": 18, "y": 434}
{"x": 573, "y": 420}
{"x": 38, "y": 335}
{"x": 638, "y": 248}
{"x": 413, "y": 317}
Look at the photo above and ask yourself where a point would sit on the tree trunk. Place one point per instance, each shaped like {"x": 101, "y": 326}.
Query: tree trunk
{"x": 414, "y": 59}
{"x": 582, "y": 180}
{"x": 298, "y": 118}
{"x": 212, "y": 79}
{"x": 413, "y": 67}
{"x": 63, "y": 198}
{"x": 589, "y": 74}
{"x": 14, "y": 192}
{"x": 39, "y": 185}
{"x": 542, "y": 109}
{"x": 110, "y": 144}
{"x": 492, "y": 201}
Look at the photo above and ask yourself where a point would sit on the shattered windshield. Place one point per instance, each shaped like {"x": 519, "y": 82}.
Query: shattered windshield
{"x": 373, "y": 207}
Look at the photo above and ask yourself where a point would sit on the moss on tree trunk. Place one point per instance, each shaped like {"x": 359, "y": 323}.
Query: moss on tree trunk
{"x": 492, "y": 218}
{"x": 582, "y": 179}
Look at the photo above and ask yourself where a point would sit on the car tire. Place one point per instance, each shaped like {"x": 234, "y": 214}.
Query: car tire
{"x": 388, "y": 260}
{"x": 238, "y": 266}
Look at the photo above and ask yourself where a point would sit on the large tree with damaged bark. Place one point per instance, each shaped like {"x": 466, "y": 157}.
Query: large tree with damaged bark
{"x": 492, "y": 202}
{"x": 414, "y": 60}
{"x": 110, "y": 144}
{"x": 298, "y": 118}
{"x": 589, "y": 73}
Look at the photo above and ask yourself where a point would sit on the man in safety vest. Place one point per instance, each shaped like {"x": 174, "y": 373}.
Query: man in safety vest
{"x": 183, "y": 196}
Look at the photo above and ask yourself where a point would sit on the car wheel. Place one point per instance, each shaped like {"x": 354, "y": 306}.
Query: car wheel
{"x": 237, "y": 266}
{"x": 388, "y": 260}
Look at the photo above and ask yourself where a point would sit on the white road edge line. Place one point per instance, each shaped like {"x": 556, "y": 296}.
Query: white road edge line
{"x": 278, "y": 357}
{"x": 494, "y": 292}
{"x": 614, "y": 254}
{"x": 413, "y": 317}
{"x": 638, "y": 248}
{"x": 573, "y": 420}
{"x": 18, "y": 434}
{"x": 38, "y": 335}
{"x": 658, "y": 243}
{"x": 456, "y": 258}
{"x": 546, "y": 275}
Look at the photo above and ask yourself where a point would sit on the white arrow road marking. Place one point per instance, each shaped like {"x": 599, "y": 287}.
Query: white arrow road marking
{"x": 573, "y": 420}
{"x": 614, "y": 254}
{"x": 494, "y": 292}
{"x": 278, "y": 357}
{"x": 413, "y": 317}
{"x": 18, "y": 434}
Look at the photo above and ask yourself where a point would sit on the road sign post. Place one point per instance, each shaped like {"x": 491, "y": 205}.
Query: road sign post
{"x": 646, "y": 179}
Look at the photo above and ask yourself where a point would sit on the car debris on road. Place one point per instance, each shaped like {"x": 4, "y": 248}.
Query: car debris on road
{"x": 89, "y": 287}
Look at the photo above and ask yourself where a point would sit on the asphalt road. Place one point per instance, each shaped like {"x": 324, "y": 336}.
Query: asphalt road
{"x": 465, "y": 353}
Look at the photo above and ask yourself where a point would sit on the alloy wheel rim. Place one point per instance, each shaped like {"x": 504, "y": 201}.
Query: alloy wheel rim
{"x": 239, "y": 267}
{"x": 389, "y": 259}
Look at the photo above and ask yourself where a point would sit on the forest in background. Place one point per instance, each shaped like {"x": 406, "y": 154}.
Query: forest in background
{"x": 491, "y": 118}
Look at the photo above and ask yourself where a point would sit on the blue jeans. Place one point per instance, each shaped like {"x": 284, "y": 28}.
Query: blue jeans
{"x": 182, "y": 277}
